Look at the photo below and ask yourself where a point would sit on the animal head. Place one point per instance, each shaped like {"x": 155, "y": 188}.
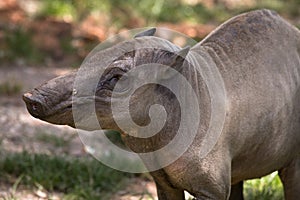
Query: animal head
{"x": 117, "y": 71}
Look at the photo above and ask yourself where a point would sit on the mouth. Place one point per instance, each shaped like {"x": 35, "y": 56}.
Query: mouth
{"x": 74, "y": 111}
{"x": 34, "y": 106}
{"x": 60, "y": 114}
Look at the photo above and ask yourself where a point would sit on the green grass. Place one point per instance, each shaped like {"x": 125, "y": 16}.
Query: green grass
{"x": 86, "y": 178}
{"x": 56, "y": 141}
{"x": 268, "y": 187}
{"x": 75, "y": 178}
{"x": 19, "y": 45}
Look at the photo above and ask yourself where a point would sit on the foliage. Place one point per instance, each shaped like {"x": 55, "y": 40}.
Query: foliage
{"x": 268, "y": 187}
{"x": 73, "y": 9}
{"x": 76, "y": 178}
{"x": 121, "y": 12}
{"x": 57, "y": 8}
{"x": 19, "y": 45}
{"x": 89, "y": 179}
{"x": 174, "y": 11}
{"x": 118, "y": 14}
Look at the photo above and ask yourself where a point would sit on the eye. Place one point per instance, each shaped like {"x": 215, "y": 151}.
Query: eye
{"x": 123, "y": 84}
{"x": 113, "y": 81}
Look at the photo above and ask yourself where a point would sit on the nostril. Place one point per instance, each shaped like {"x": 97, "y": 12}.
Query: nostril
{"x": 33, "y": 105}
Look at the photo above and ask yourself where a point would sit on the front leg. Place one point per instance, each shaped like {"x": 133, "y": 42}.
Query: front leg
{"x": 165, "y": 189}
{"x": 168, "y": 193}
{"x": 212, "y": 182}
{"x": 290, "y": 176}
{"x": 237, "y": 191}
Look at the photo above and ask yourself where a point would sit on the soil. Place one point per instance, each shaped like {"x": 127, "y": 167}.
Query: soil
{"x": 19, "y": 131}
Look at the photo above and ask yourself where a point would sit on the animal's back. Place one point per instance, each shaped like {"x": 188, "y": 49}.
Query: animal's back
{"x": 258, "y": 56}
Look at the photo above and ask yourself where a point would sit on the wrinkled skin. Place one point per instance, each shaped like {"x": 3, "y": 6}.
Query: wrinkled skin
{"x": 258, "y": 56}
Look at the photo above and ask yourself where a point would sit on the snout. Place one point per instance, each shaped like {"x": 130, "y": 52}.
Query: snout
{"x": 34, "y": 106}
{"x": 47, "y": 107}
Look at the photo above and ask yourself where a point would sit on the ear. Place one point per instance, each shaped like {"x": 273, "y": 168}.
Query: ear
{"x": 149, "y": 32}
{"x": 177, "y": 60}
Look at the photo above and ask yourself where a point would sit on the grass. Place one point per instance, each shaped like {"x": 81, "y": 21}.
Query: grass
{"x": 268, "y": 187}
{"x": 10, "y": 88}
{"x": 19, "y": 45}
{"x": 89, "y": 179}
{"x": 75, "y": 178}
{"x": 54, "y": 140}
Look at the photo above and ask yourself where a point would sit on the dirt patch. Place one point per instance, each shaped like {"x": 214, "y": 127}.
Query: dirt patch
{"x": 137, "y": 189}
{"x": 19, "y": 131}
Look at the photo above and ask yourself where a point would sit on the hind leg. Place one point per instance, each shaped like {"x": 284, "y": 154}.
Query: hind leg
{"x": 290, "y": 177}
{"x": 237, "y": 191}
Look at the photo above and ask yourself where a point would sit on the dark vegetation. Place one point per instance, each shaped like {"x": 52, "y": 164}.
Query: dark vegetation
{"x": 83, "y": 178}
{"x": 68, "y": 29}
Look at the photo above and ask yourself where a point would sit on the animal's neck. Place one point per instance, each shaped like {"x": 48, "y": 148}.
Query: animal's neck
{"x": 195, "y": 78}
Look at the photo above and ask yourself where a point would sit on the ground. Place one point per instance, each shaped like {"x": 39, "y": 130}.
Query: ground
{"x": 19, "y": 131}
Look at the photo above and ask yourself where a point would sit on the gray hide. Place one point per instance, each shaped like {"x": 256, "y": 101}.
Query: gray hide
{"x": 258, "y": 57}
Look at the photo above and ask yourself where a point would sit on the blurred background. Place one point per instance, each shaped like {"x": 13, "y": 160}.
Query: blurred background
{"x": 41, "y": 39}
